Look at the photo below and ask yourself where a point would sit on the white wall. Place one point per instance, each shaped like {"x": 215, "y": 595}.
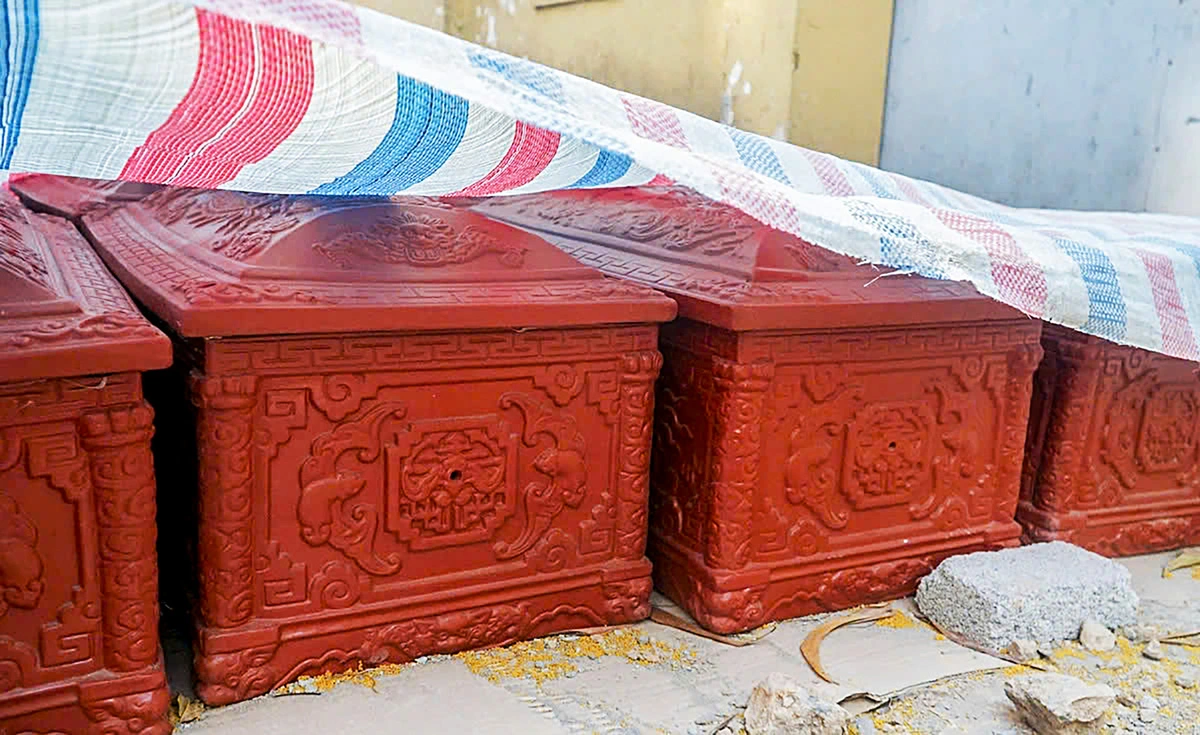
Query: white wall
{"x": 1079, "y": 104}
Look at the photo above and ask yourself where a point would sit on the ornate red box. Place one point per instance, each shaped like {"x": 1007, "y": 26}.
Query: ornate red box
{"x": 1113, "y": 456}
{"x": 79, "y": 649}
{"x": 419, "y": 430}
{"x": 824, "y": 437}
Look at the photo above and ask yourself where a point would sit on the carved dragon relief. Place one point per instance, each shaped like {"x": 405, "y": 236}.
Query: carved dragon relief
{"x": 688, "y": 222}
{"x": 410, "y": 238}
{"x": 245, "y": 223}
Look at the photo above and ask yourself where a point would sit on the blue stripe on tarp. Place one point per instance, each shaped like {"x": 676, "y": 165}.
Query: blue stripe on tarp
{"x": 18, "y": 51}
{"x": 899, "y": 240}
{"x": 1106, "y": 306}
{"x": 608, "y": 168}
{"x": 534, "y": 81}
{"x": 875, "y": 181}
{"x": 428, "y": 128}
{"x": 757, "y": 155}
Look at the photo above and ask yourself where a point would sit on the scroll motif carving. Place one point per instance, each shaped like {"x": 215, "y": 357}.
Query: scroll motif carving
{"x": 100, "y": 326}
{"x": 450, "y": 482}
{"x": 143, "y": 713}
{"x": 17, "y": 661}
{"x": 76, "y": 634}
{"x": 118, "y": 444}
{"x": 1062, "y": 475}
{"x": 738, "y": 403}
{"x": 422, "y": 240}
{"x": 245, "y": 223}
{"x": 638, "y": 374}
{"x": 224, "y": 678}
{"x": 207, "y": 292}
{"x": 1023, "y": 362}
{"x": 22, "y": 571}
{"x": 225, "y": 435}
{"x": 57, "y": 457}
{"x": 627, "y": 600}
{"x": 562, "y": 463}
{"x": 331, "y": 510}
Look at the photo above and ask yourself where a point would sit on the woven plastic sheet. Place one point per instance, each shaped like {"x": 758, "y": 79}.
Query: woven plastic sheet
{"x": 315, "y": 96}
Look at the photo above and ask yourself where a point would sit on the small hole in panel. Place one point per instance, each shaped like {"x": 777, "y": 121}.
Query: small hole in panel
{"x": 456, "y": 475}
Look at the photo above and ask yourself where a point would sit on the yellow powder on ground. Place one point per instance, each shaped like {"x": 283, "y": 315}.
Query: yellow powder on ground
{"x": 897, "y": 620}
{"x": 542, "y": 662}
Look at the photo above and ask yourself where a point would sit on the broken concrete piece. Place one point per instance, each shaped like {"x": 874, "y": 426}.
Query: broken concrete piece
{"x": 1023, "y": 650}
{"x": 1056, "y": 704}
{"x": 1042, "y": 592}
{"x": 1154, "y": 650}
{"x": 1096, "y": 637}
{"x": 1186, "y": 680}
{"x": 781, "y": 706}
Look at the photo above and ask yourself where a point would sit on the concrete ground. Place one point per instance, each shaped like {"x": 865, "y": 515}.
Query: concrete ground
{"x": 897, "y": 674}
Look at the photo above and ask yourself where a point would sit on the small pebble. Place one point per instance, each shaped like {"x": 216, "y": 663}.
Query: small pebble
{"x": 643, "y": 639}
{"x": 1153, "y": 650}
{"x": 1125, "y": 700}
{"x": 1147, "y": 715}
{"x": 1185, "y": 681}
{"x": 1095, "y": 637}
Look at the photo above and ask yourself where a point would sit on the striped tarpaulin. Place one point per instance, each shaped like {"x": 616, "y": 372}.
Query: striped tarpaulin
{"x": 293, "y": 96}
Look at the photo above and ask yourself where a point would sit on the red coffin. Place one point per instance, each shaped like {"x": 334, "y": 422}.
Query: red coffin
{"x": 824, "y": 437}
{"x": 79, "y": 649}
{"x": 1113, "y": 462}
{"x": 419, "y": 430}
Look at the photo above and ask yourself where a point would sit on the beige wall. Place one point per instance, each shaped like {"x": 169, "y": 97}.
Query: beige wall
{"x": 812, "y": 71}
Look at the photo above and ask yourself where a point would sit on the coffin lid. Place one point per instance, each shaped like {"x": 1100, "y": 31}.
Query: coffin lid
{"x": 67, "y": 196}
{"x": 727, "y": 269}
{"x": 61, "y": 312}
{"x": 222, "y": 263}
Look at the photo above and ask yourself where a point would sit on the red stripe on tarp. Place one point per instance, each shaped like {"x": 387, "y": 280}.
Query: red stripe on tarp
{"x": 241, "y": 105}
{"x": 530, "y": 152}
{"x": 1177, "y": 336}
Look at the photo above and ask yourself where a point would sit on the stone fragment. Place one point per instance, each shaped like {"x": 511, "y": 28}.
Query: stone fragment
{"x": 1041, "y": 592}
{"x": 1023, "y": 650}
{"x": 1056, "y": 704}
{"x": 781, "y": 706}
{"x": 1139, "y": 632}
{"x": 1096, "y": 637}
{"x": 1186, "y": 680}
{"x": 1154, "y": 650}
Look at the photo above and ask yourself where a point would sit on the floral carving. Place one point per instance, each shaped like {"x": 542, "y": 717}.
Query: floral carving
{"x": 245, "y": 223}
{"x": 450, "y": 482}
{"x": 888, "y": 454}
{"x": 1169, "y": 426}
{"x": 416, "y": 239}
{"x": 21, "y": 569}
{"x": 553, "y": 552}
{"x": 562, "y": 463}
{"x": 331, "y": 510}
{"x": 561, "y": 382}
